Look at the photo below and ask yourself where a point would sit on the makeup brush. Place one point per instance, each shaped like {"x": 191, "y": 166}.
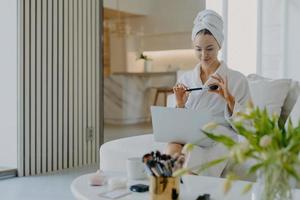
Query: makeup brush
{"x": 210, "y": 87}
{"x": 147, "y": 157}
{"x": 152, "y": 165}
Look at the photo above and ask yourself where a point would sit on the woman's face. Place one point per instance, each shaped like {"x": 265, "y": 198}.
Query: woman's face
{"x": 206, "y": 49}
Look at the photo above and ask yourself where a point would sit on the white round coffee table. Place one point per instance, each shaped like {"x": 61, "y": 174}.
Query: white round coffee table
{"x": 192, "y": 187}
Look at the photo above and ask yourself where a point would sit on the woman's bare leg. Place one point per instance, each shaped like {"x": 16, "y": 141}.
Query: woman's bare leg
{"x": 173, "y": 148}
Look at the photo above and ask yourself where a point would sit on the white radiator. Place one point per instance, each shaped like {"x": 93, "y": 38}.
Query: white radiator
{"x": 60, "y": 84}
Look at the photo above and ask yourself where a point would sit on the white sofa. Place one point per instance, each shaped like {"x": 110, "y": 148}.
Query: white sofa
{"x": 113, "y": 154}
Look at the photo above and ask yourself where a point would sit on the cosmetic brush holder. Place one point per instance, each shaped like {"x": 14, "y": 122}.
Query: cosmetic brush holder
{"x": 164, "y": 188}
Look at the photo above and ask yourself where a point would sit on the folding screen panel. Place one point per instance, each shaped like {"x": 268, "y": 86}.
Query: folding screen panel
{"x": 60, "y": 84}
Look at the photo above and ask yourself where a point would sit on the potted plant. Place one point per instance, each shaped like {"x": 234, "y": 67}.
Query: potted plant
{"x": 147, "y": 62}
{"x": 273, "y": 151}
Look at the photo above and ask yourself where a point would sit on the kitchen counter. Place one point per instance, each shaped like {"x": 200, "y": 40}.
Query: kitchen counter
{"x": 128, "y": 96}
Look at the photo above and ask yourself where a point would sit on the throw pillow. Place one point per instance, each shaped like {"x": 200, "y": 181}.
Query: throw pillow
{"x": 290, "y": 100}
{"x": 295, "y": 114}
{"x": 268, "y": 93}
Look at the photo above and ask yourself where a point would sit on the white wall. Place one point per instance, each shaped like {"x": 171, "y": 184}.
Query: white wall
{"x": 8, "y": 83}
{"x": 169, "y": 16}
{"x": 167, "y": 27}
{"x": 240, "y": 17}
{"x": 241, "y": 35}
{"x": 219, "y": 7}
{"x": 293, "y": 40}
{"x": 215, "y": 5}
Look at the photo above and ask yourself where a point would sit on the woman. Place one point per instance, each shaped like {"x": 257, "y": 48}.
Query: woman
{"x": 233, "y": 91}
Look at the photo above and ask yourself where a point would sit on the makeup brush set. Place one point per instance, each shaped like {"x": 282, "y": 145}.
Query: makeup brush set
{"x": 162, "y": 165}
{"x": 160, "y": 168}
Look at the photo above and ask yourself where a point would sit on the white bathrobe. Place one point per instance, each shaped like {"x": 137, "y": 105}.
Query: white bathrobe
{"x": 204, "y": 100}
{"x": 216, "y": 105}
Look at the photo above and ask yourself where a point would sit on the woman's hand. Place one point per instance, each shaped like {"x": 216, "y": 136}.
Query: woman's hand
{"x": 181, "y": 94}
{"x": 223, "y": 90}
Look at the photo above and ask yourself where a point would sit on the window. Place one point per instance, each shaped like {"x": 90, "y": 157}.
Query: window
{"x": 240, "y": 27}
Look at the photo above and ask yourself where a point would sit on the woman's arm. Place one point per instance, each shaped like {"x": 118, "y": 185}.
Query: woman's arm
{"x": 241, "y": 93}
{"x": 230, "y": 103}
{"x": 181, "y": 95}
{"x": 237, "y": 98}
{"x": 224, "y": 91}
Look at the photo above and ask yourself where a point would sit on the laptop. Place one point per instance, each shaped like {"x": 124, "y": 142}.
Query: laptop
{"x": 181, "y": 125}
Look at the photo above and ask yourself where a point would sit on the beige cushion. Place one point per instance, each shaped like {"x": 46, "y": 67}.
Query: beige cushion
{"x": 295, "y": 114}
{"x": 290, "y": 100}
{"x": 268, "y": 93}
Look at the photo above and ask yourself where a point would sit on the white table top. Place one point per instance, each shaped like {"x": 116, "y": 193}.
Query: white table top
{"x": 193, "y": 187}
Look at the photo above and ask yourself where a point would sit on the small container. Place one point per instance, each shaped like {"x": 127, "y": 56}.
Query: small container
{"x": 135, "y": 169}
{"x": 164, "y": 188}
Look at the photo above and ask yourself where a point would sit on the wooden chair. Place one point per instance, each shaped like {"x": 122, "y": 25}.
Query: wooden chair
{"x": 162, "y": 90}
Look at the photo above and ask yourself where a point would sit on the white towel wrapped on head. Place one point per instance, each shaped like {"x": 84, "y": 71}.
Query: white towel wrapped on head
{"x": 210, "y": 20}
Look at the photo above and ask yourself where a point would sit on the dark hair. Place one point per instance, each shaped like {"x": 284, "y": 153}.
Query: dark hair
{"x": 204, "y": 32}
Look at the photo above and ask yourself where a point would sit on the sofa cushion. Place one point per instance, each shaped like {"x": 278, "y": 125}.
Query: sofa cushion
{"x": 268, "y": 93}
{"x": 295, "y": 114}
{"x": 290, "y": 100}
{"x": 199, "y": 156}
{"x": 113, "y": 154}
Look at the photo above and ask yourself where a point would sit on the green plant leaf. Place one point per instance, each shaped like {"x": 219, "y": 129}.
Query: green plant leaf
{"x": 282, "y": 150}
{"x": 188, "y": 148}
{"x": 207, "y": 165}
{"x": 227, "y": 186}
{"x": 294, "y": 147}
{"x": 290, "y": 125}
{"x": 291, "y": 171}
{"x": 180, "y": 172}
{"x": 251, "y": 137}
{"x": 247, "y": 188}
{"x": 227, "y": 141}
{"x": 254, "y": 168}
